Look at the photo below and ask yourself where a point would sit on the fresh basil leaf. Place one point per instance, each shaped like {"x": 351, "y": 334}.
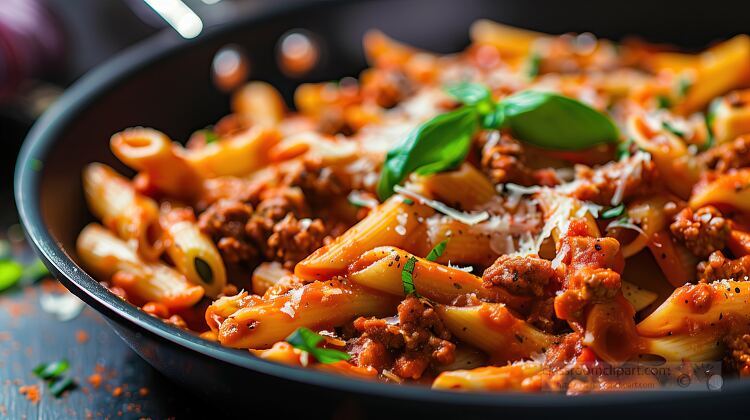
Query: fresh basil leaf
{"x": 10, "y": 273}
{"x": 553, "y": 121}
{"x": 469, "y": 93}
{"x": 613, "y": 212}
{"x": 51, "y": 370}
{"x": 672, "y": 129}
{"x": 407, "y": 277}
{"x": 439, "y": 144}
{"x": 437, "y": 251}
{"x": 494, "y": 119}
{"x": 307, "y": 340}
{"x": 59, "y": 386}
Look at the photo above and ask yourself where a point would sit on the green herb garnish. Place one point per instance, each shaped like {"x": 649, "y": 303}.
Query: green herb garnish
{"x": 51, "y": 370}
{"x": 209, "y": 135}
{"x": 437, "y": 251}
{"x": 407, "y": 277}
{"x": 10, "y": 273}
{"x": 672, "y": 129}
{"x": 533, "y": 63}
{"x": 53, "y": 374}
{"x": 713, "y": 107}
{"x": 408, "y": 201}
{"x": 439, "y": 144}
{"x": 307, "y": 340}
{"x": 623, "y": 149}
{"x": 663, "y": 102}
{"x": 684, "y": 84}
{"x": 613, "y": 212}
{"x": 61, "y": 385}
{"x": 542, "y": 119}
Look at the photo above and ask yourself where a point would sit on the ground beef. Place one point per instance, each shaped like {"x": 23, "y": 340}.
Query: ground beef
{"x": 601, "y": 183}
{"x": 703, "y": 231}
{"x": 277, "y": 230}
{"x": 317, "y": 182}
{"x": 719, "y": 267}
{"x": 224, "y": 222}
{"x": 731, "y": 155}
{"x": 593, "y": 267}
{"x": 418, "y": 341}
{"x": 738, "y": 353}
{"x": 543, "y": 316}
{"x": 293, "y": 239}
{"x": 386, "y": 87}
{"x": 502, "y": 159}
{"x": 526, "y": 276}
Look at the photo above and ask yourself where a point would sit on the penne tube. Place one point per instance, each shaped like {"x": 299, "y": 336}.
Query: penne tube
{"x": 678, "y": 167}
{"x": 610, "y": 331}
{"x": 701, "y": 346}
{"x": 151, "y": 152}
{"x": 266, "y": 275}
{"x": 507, "y": 39}
{"x": 395, "y": 222}
{"x": 107, "y": 256}
{"x": 467, "y": 245}
{"x": 638, "y": 297}
{"x": 381, "y": 269}
{"x": 731, "y": 116}
{"x": 132, "y": 216}
{"x": 317, "y": 305}
{"x": 490, "y": 378}
{"x": 493, "y": 328}
{"x": 731, "y": 189}
{"x": 700, "y": 306}
{"x": 259, "y": 103}
{"x": 238, "y": 155}
{"x": 720, "y": 69}
{"x": 193, "y": 253}
{"x": 465, "y": 188}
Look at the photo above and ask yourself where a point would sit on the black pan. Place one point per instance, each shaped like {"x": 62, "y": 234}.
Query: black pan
{"x": 165, "y": 83}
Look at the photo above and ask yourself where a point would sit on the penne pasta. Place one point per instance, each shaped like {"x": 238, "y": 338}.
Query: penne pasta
{"x": 108, "y": 257}
{"x": 465, "y": 188}
{"x": 507, "y": 39}
{"x": 152, "y": 153}
{"x": 490, "y": 378}
{"x": 238, "y": 155}
{"x": 393, "y": 223}
{"x": 259, "y": 103}
{"x": 695, "y": 307}
{"x": 731, "y": 189}
{"x": 493, "y": 328}
{"x": 114, "y": 200}
{"x": 381, "y": 269}
{"x": 638, "y": 297}
{"x": 193, "y": 253}
{"x": 316, "y": 305}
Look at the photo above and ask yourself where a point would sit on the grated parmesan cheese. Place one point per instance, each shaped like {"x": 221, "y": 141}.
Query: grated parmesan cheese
{"x": 463, "y": 217}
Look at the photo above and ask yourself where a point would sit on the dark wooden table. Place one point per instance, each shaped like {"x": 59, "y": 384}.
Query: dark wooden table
{"x": 129, "y": 387}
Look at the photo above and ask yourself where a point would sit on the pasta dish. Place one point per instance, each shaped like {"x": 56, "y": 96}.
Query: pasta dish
{"x": 517, "y": 216}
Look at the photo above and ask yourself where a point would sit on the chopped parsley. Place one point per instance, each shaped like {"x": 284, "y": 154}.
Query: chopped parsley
{"x": 54, "y": 374}
{"x": 209, "y": 134}
{"x": 307, "y": 340}
{"x": 437, "y": 251}
{"x": 407, "y": 277}
{"x": 408, "y": 201}
{"x": 623, "y": 149}
{"x": 614, "y": 212}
